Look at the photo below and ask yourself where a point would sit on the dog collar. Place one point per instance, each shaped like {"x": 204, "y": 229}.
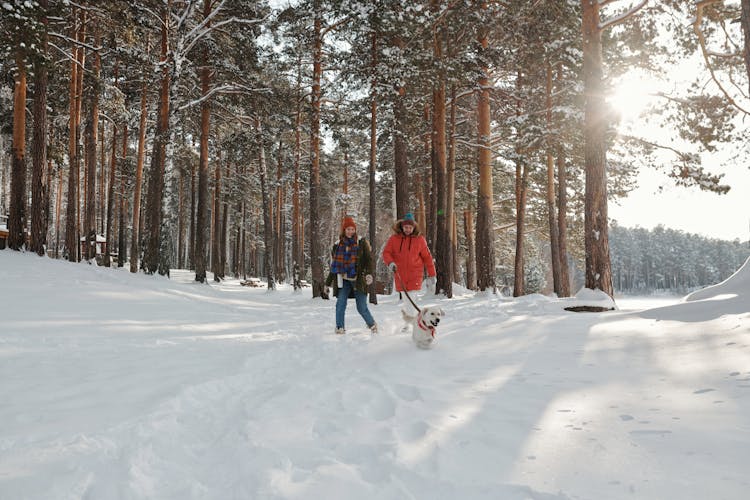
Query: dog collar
{"x": 424, "y": 326}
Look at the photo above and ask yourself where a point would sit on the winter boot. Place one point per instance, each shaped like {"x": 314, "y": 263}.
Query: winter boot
{"x": 374, "y": 328}
{"x": 340, "y": 331}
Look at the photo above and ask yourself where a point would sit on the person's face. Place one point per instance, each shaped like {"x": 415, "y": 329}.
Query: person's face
{"x": 349, "y": 231}
{"x": 407, "y": 228}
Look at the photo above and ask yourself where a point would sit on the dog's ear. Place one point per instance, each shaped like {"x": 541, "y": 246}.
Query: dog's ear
{"x": 440, "y": 310}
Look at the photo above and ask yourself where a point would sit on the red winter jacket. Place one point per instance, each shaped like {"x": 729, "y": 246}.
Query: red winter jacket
{"x": 411, "y": 255}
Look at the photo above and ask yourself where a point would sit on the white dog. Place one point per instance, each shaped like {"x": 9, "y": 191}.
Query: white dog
{"x": 423, "y": 325}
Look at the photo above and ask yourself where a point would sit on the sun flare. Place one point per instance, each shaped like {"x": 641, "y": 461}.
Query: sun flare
{"x": 632, "y": 96}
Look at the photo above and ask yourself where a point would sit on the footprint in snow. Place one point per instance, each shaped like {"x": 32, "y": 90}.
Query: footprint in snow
{"x": 407, "y": 392}
{"x": 414, "y": 431}
{"x": 656, "y": 432}
{"x": 625, "y": 418}
{"x": 703, "y": 391}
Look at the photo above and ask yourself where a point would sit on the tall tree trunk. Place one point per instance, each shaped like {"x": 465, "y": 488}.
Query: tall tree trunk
{"x": 39, "y": 191}
{"x": 80, "y": 208}
{"x": 17, "y": 211}
{"x": 279, "y": 226}
{"x": 485, "y": 240}
{"x": 181, "y": 221}
{"x": 193, "y": 211}
{"x": 3, "y": 178}
{"x": 471, "y": 249}
{"x": 267, "y": 229}
{"x": 451, "y": 209}
{"x": 450, "y": 200}
{"x": 596, "y": 238}
{"x": 421, "y": 205}
{"x": 400, "y": 149}
{"x": 58, "y": 212}
{"x": 439, "y": 164}
{"x": 552, "y": 219}
{"x": 202, "y": 222}
{"x": 562, "y": 226}
{"x": 111, "y": 186}
{"x": 298, "y": 243}
{"x": 522, "y": 179}
{"x": 72, "y": 245}
{"x": 102, "y": 180}
{"x": 154, "y": 200}
{"x": 216, "y": 212}
{"x": 135, "y": 236}
{"x": 316, "y": 255}
{"x": 224, "y": 230}
{"x": 373, "y": 296}
{"x": 91, "y": 138}
{"x": 122, "y": 249}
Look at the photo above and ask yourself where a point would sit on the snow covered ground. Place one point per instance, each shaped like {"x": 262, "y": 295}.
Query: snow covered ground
{"x": 120, "y": 386}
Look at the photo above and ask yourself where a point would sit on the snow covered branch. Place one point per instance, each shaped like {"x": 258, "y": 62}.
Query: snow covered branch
{"x": 707, "y": 55}
{"x": 622, "y": 17}
{"x": 232, "y": 88}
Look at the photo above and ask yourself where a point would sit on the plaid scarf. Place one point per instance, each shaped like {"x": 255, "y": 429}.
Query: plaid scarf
{"x": 345, "y": 258}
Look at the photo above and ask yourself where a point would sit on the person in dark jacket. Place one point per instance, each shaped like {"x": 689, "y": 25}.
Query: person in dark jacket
{"x": 351, "y": 272}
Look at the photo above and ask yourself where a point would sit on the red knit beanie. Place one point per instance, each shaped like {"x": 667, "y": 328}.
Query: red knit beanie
{"x": 348, "y": 222}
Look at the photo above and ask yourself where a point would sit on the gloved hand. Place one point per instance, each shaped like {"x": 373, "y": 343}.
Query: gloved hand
{"x": 368, "y": 279}
{"x": 430, "y": 281}
{"x": 392, "y": 266}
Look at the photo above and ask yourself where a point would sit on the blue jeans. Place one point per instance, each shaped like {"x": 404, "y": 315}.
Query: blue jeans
{"x": 359, "y": 297}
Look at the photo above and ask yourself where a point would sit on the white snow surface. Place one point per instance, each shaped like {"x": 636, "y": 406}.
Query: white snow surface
{"x": 121, "y": 386}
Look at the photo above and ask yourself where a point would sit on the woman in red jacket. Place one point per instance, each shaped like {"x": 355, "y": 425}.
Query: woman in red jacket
{"x": 407, "y": 255}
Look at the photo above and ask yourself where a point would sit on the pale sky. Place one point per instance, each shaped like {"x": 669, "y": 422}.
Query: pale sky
{"x": 688, "y": 209}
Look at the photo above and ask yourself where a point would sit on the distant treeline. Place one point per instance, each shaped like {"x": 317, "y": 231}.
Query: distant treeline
{"x": 646, "y": 260}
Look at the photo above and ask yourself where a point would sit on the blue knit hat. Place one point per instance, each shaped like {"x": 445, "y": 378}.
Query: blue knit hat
{"x": 409, "y": 219}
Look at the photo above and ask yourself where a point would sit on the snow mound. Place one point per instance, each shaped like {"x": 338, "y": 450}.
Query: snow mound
{"x": 737, "y": 285}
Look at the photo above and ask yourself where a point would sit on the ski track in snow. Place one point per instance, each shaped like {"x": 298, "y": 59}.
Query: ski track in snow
{"x": 147, "y": 388}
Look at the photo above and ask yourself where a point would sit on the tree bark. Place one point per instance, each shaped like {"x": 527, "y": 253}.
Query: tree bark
{"x": 298, "y": 235}
{"x": 267, "y": 229}
{"x": 136, "y": 234}
{"x": 17, "y": 209}
{"x": 471, "y": 252}
{"x": 552, "y": 219}
{"x": 280, "y": 229}
{"x": 596, "y": 238}
{"x": 91, "y": 137}
{"x": 485, "y": 240}
{"x": 202, "y": 222}
{"x": 440, "y": 167}
{"x": 316, "y": 256}
{"x": 111, "y": 185}
{"x": 39, "y": 191}
{"x": 562, "y": 225}
{"x": 193, "y": 210}
{"x": 522, "y": 176}
{"x": 373, "y": 296}
{"x": 181, "y": 220}
{"x": 216, "y": 212}
{"x": 450, "y": 211}
{"x": 71, "y": 212}
{"x": 400, "y": 148}
{"x": 122, "y": 250}
{"x": 154, "y": 200}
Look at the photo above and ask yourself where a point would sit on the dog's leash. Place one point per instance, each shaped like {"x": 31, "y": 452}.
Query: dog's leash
{"x": 405, "y": 292}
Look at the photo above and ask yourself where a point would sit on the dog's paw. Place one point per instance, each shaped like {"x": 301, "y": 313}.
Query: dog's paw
{"x": 425, "y": 344}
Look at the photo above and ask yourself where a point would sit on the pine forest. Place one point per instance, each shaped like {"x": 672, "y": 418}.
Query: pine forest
{"x": 230, "y": 137}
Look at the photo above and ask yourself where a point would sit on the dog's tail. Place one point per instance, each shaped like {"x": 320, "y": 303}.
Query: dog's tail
{"x": 406, "y": 316}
